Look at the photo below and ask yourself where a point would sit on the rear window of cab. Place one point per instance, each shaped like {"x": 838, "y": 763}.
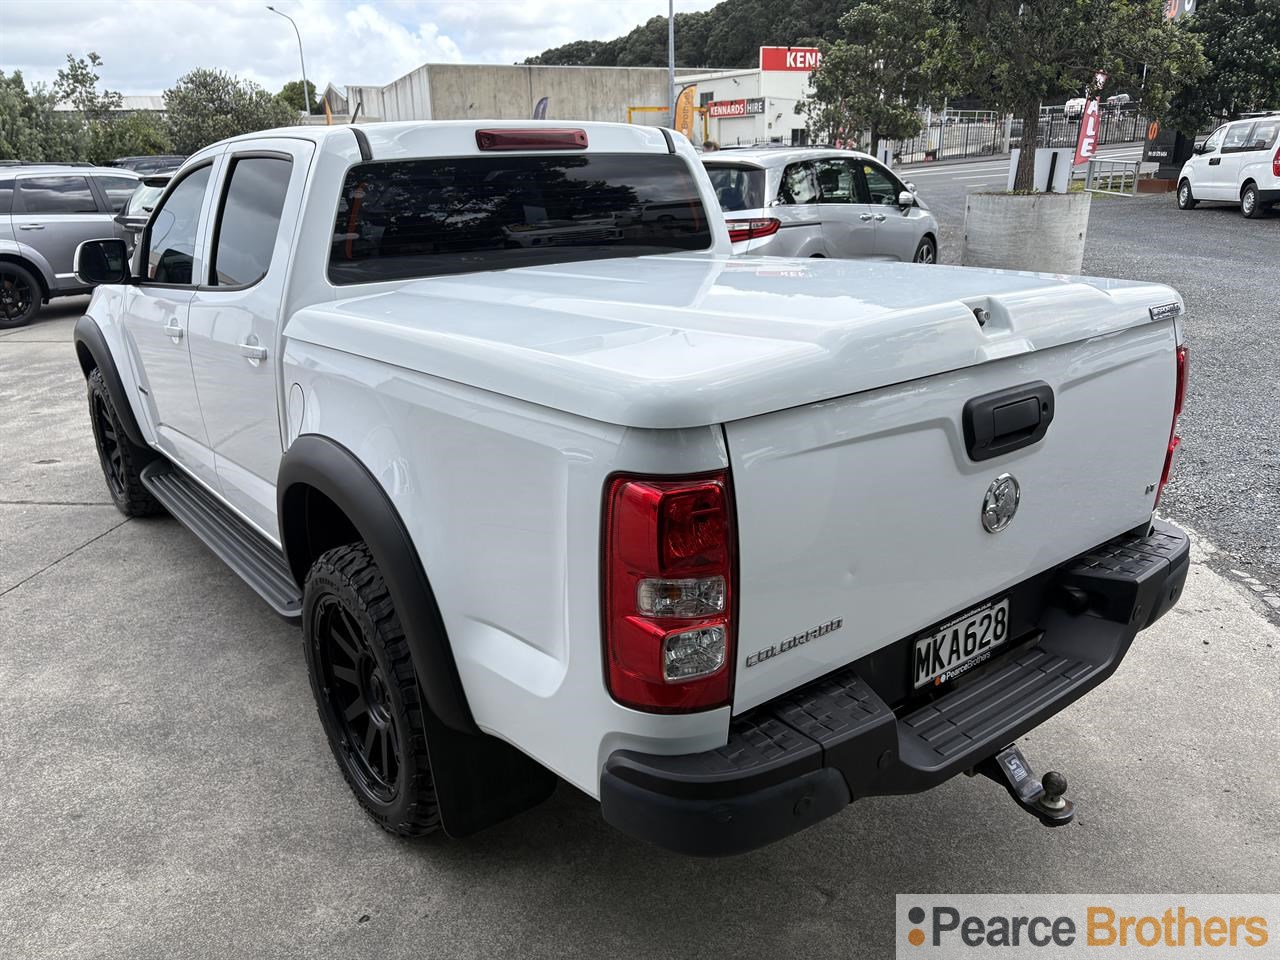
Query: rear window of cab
{"x": 402, "y": 219}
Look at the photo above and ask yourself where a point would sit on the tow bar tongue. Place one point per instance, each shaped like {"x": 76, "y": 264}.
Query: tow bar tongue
{"x": 1041, "y": 797}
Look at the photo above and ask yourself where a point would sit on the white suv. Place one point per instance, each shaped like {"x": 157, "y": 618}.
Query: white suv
{"x": 1239, "y": 163}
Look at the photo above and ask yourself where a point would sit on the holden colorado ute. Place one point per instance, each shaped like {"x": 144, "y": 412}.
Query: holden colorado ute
{"x": 559, "y": 488}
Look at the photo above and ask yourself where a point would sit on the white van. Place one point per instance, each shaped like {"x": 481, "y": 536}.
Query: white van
{"x": 1238, "y": 163}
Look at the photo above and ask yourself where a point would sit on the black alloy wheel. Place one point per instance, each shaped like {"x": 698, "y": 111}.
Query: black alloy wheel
{"x": 358, "y": 699}
{"x": 19, "y": 296}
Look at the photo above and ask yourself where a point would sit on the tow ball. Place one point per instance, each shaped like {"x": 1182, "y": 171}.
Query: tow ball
{"x": 1042, "y": 797}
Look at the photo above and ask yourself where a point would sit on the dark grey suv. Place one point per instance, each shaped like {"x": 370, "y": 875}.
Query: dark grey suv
{"x": 46, "y": 211}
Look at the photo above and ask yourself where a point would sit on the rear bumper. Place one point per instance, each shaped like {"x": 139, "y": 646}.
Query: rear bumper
{"x": 1269, "y": 196}
{"x": 796, "y": 760}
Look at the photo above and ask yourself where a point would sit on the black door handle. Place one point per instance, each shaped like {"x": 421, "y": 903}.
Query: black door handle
{"x": 1007, "y": 420}
{"x": 1215, "y": 161}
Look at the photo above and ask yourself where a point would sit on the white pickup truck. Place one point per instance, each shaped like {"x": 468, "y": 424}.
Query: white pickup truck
{"x": 559, "y": 488}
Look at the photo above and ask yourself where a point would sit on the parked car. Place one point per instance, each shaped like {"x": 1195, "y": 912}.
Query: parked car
{"x": 136, "y": 212}
{"x": 46, "y": 210}
{"x": 1073, "y": 107}
{"x": 726, "y": 542}
{"x": 1118, "y": 102}
{"x": 805, "y": 202}
{"x": 1238, "y": 163}
{"x": 160, "y": 163}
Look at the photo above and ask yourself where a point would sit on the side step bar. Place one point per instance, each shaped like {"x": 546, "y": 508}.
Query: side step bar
{"x": 258, "y": 561}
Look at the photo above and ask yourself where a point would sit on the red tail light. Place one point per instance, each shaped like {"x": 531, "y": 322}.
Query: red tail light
{"x": 537, "y": 138}
{"x": 669, "y": 575}
{"x": 1175, "y": 441}
{"x": 1275, "y": 164}
{"x": 752, "y": 229}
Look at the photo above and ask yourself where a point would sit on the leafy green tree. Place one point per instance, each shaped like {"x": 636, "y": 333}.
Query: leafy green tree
{"x": 30, "y": 129}
{"x": 1021, "y": 53}
{"x": 208, "y": 105}
{"x": 133, "y": 135}
{"x": 879, "y": 75}
{"x": 579, "y": 53}
{"x": 1242, "y": 41}
{"x": 292, "y": 95}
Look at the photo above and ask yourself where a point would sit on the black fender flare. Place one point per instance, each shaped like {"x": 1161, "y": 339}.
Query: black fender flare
{"x": 336, "y": 472}
{"x": 89, "y": 340}
{"x": 479, "y": 779}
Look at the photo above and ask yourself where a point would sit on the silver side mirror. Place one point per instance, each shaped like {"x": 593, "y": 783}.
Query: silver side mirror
{"x": 102, "y": 261}
{"x": 906, "y": 199}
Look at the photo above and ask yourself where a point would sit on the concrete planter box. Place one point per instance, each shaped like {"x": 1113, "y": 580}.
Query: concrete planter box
{"x": 1043, "y": 232}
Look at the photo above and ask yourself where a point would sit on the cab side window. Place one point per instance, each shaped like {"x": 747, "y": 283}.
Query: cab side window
{"x": 798, "y": 184}
{"x": 882, "y": 188}
{"x": 249, "y": 220}
{"x": 171, "y": 247}
{"x": 836, "y": 182}
{"x": 1215, "y": 140}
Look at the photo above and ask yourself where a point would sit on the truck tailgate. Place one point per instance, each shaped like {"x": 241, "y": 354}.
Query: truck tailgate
{"x": 860, "y": 518}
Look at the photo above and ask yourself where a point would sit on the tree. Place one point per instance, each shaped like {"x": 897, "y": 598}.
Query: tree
{"x": 1242, "y": 40}
{"x": 879, "y": 75}
{"x": 291, "y": 95}
{"x": 1024, "y": 51}
{"x": 30, "y": 129}
{"x": 208, "y": 105}
{"x": 579, "y": 53}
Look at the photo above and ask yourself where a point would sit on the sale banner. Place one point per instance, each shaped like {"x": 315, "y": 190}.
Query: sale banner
{"x": 1090, "y": 127}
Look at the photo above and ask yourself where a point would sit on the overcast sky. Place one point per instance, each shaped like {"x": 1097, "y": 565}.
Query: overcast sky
{"x": 147, "y": 44}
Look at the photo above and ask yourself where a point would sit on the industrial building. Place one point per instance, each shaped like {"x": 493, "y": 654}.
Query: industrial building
{"x": 735, "y": 106}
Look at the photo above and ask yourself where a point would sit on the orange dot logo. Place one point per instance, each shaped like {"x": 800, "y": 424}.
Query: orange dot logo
{"x": 915, "y": 936}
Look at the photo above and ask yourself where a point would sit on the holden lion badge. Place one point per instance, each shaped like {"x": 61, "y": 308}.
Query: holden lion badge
{"x": 1000, "y": 503}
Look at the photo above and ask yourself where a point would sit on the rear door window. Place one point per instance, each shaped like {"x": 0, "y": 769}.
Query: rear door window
{"x": 1237, "y": 136}
{"x": 249, "y": 220}
{"x": 799, "y": 184}
{"x": 432, "y": 216}
{"x": 1264, "y": 131}
{"x": 50, "y": 195}
{"x": 737, "y": 187}
{"x": 836, "y": 181}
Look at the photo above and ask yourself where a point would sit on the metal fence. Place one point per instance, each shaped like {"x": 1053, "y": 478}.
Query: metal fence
{"x": 1117, "y": 177}
{"x": 956, "y": 138}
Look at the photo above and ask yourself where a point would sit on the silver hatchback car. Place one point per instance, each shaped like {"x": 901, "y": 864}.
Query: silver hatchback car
{"x": 811, "y": 202}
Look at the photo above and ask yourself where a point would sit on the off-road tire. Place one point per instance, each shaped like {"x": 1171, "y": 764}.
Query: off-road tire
{"x": 20, "y": 295}
{"x": 122, "y": 460}
{"x": 345, "y": 594}
{"x": 1186, "y": 199}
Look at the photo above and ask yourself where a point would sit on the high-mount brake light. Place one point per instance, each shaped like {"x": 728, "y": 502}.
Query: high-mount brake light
{"x": 752, "y": 229}
{"x": 1175, "y": 441}
{"x": 669, "y": 576}
{"x": 534, "y": 138}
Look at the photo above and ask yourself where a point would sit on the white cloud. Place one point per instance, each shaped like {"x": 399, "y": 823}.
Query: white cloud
{"x": 147, "y": 44}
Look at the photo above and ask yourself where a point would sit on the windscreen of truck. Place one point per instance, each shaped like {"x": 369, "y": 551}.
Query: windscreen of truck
{"x": 737, "y": 187}
{"x": 434, "y": 216}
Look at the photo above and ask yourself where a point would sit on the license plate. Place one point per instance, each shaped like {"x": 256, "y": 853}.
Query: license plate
{"x": 960, "y": 644}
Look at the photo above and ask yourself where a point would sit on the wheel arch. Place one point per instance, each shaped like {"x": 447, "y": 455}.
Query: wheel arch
{"x": 326, "y": 497}
{"x": 27, "y": 263}
{"x": 1246, "y": 184}
{"x": 93, "y": 353}
{"x": 479, "y": 779}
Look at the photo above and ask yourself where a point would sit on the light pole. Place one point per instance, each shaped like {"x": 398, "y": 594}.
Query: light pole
{"x": 671, "y": 57}
{"x": 306, "y": 94}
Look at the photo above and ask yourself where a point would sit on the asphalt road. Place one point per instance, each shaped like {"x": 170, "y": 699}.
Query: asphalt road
{"x": 168, "y": 791}
{"x": 1227, "y": 482}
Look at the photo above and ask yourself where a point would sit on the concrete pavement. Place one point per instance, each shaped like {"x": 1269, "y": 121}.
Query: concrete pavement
{"x": 168, "y": 791}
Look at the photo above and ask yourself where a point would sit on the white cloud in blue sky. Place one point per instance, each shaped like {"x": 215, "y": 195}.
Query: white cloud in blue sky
{"x": 147, "y": 44}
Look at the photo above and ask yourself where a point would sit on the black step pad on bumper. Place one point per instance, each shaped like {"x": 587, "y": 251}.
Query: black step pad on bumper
{"x": 259, "y": 562}
{"x": 804, "y": 756}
